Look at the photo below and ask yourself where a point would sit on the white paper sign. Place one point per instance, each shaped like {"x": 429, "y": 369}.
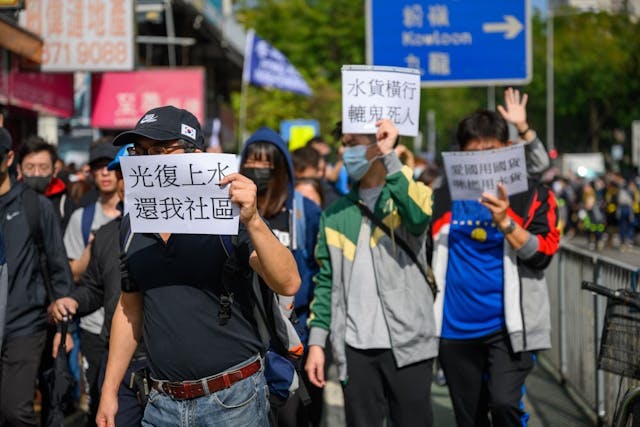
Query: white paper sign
{"x": 178, "y": 193}
{"x": 470, "y": 173}
{"x": 371, "y": 93}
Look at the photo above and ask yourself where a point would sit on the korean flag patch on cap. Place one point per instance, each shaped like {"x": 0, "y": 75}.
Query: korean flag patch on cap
{"x": 188, "y": 131}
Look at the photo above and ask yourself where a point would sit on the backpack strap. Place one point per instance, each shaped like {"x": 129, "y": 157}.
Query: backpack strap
{"x": 31, "y": 207}
{"x": 126, "y": 236}
{"x": 299, "y": 223}
{"x": 88, "y": 213}
{"x": 230, "y": 271}
{"x": 426, "y": 274}
{"x": 62, "y": 204}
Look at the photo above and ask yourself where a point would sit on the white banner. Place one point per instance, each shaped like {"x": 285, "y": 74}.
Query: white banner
{"x": 83, "y": 35}
{"x": 371, "y": 93}
{"x": 178, "y": 193}
{"x": 470, "y": 173}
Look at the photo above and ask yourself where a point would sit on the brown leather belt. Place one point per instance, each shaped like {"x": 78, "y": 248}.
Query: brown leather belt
{"x": 193, "y": 389}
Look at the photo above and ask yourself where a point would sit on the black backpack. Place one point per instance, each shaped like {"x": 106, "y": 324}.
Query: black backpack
{"x": 283, "y": 359}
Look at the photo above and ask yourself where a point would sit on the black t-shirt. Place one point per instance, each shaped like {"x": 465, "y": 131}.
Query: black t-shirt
{"x": 279, "y": 225}
{"x": 181, "y": 286}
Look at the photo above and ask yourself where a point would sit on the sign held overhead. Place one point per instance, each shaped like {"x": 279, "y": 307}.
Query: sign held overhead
{"x": 370, "y": 94}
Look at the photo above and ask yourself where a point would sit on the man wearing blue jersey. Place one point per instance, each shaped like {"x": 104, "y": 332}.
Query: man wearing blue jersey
{"x": 493, "y": 309}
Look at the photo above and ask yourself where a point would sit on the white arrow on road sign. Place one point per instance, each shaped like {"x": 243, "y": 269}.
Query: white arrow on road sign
{"x": 511, "y": 27}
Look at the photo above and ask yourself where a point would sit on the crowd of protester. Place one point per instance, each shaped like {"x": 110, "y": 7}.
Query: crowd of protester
{"x": 381, "y": 341}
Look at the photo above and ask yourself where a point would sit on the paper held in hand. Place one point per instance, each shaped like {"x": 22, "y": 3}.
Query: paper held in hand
{"x": 372, "y": 93}
{"x": 178, "y": 193}
{"x": 470, "y": 173}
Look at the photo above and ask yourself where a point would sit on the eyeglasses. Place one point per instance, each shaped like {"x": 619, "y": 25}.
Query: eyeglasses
{"x": 31, "y": 168}
{"x": 137, "y": 150}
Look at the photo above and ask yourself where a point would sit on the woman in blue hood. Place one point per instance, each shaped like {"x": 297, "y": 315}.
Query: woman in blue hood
{"x": 294, "y": 219}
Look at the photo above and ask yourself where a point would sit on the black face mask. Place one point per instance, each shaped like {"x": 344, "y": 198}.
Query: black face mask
{"x": 260, "y": 177}
{"x": 37, "y": 183}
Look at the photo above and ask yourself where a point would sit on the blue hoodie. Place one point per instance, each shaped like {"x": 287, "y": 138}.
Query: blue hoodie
{"x": 304, "y": 218}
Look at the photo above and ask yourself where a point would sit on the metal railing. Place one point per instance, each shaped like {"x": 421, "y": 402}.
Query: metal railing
{"x": 576, "y": 320}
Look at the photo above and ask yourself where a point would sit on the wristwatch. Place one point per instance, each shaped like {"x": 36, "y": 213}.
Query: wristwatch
{"x": 509, "y": 228}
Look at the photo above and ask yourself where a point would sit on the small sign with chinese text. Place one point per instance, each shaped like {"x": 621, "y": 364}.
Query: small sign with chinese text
{"x": 373, "y": 93}
{"x": 178, "y": 193}
{"x": 470, "y": 173}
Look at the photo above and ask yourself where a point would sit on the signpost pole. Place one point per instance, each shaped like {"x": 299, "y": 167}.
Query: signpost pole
{"x": 491, "y": 98}
{"x": 243, "y": 115}
{"x": 550, "y": 83}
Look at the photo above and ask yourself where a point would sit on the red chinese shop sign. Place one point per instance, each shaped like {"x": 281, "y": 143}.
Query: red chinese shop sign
{"x": 120, "y": 99}
{"x": 35, "y": 91}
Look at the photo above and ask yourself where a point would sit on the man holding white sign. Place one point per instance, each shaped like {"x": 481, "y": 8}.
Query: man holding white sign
{"x": 172, "y": 287}
{"x": 489, "y": 252}
{"x": 372, "y": 296}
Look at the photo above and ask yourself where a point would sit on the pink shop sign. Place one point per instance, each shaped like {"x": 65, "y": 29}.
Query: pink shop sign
{"x": 120, "y": 99}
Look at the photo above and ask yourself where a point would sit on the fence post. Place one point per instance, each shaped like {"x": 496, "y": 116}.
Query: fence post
{"x": 600, "y": 406}
{"x": 562, "y": 313}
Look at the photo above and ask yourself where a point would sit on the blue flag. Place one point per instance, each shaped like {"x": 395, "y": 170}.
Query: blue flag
{"x": 266, "y": 66}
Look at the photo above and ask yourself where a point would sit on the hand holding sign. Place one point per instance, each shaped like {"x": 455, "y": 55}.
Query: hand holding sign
{"x": 498, "y": 205}
{"x": 243, "y": 192}
{"x": 386, "y": 136}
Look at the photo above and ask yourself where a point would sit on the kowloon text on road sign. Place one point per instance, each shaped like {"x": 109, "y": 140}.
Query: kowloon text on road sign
{"x": 453, "y": 42}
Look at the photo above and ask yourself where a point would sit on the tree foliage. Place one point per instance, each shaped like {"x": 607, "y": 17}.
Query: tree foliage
{"x": 318, "y": 37}
{"x": 597, "y": 57}
{"x": 597, "y": 65}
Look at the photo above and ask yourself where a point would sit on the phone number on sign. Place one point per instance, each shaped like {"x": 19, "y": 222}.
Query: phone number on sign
{"x": 85, "y": 53}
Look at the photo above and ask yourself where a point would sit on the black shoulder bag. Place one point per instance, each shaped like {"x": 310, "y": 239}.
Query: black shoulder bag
{"x": 427, "y": 274}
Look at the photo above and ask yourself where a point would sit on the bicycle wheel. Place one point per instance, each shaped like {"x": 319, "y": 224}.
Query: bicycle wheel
{"x": 628, "y": 413}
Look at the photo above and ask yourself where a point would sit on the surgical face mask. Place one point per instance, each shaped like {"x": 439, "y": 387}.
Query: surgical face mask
{"x": 260, "y": 177}
{"x": 37, "y": 183}
{"x": 355, "y": 160}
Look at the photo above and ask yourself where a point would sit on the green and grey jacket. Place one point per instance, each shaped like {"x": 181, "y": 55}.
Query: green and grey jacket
{"x": 407, "y": 302}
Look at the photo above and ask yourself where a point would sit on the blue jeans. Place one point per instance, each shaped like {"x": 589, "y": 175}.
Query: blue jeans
{"x": 245, "y": 403}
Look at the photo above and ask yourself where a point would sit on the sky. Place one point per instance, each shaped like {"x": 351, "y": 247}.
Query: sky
{"x": 539, "y": 4}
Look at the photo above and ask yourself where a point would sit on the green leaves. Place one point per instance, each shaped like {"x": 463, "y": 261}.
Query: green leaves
{"x": 597, "y": 70}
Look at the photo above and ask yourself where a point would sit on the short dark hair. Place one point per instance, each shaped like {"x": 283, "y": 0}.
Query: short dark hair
{"x": 482, "y": 124}
{"x": 315, "y": 140}
{"x": 305, "y": 157}
{"x": 337, "y": 134}
{"x": 36, "y": 144}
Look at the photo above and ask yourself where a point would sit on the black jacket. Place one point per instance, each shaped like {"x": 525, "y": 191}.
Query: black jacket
{"x": 99, "y": 285}
{"x": 28, "y": 300}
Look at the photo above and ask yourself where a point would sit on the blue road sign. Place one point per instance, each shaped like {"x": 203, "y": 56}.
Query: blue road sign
{"x": 453, "y": 42}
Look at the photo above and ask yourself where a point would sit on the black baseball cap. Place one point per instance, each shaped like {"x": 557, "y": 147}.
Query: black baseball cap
{"x": 165, "y": 124}
{"x": 5, "y": 141}
{"x": 102, "y": 150}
